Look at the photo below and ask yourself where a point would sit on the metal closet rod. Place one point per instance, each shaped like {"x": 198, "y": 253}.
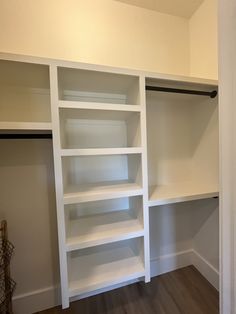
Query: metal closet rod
{"x": 211, "y": 94}
{"x": 24, "y": 136}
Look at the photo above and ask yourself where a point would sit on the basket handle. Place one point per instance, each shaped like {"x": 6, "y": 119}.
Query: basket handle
{"x": 3, "y": 229}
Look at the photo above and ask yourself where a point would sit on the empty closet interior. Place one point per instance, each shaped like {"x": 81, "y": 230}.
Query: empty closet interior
{"x": 182, "y": 134}
{"x": 183, "y": 160}
{"x": 136, "y": 172}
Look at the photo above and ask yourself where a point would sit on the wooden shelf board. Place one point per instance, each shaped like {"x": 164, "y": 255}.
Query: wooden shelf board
{"x": 98, "y": 106}
{"x": 101, "y": 151}
{"x": 102, "y": 269}
{"x": 180, "y": 192}
{"x": 101, "y": 191}
{"x": 26, "y": 126}
{"x": 103, "y": 228}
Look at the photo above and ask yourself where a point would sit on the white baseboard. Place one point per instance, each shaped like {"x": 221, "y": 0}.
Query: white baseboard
{"x": 49, "y": 297}
{"x": 167, "y": 263}
{"x": 37, "y": 300}
{"x": 206, "y": 269}
{"x": 170, "y": 262}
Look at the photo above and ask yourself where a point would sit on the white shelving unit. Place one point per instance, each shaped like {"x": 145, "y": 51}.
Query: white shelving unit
{"x": 100, "y": 152}
{"x": 112, "y": 160}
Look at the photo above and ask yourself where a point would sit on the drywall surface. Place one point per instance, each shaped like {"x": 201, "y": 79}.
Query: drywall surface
{"x": 206, "y": 239}
{"x": 227, "y": 77}
{"x": 27, "y": 202}
{"x": 183, "y": 234}
{"x": 96, "y": 31}
{"x": 186, "y": 226}
{"x": 171, "y": 229}
{"x": 204, "y": 41}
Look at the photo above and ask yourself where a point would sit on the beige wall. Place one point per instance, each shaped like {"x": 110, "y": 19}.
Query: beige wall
{"x": 27, "y": 202}
{"x": 203, "y": 41}
{"x": 112, "y": 33}
{"x": 227, "y": 63}
{"x": 96, "y": 31}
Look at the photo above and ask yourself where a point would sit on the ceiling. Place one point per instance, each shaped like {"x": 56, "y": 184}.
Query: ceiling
{"x": 183, "y": 8}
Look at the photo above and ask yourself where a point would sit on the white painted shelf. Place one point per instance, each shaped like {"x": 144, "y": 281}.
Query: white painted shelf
{"x": 102, "y": 269}
{"x": 101, "y": 151}
{"x": 27, "y": 126}
{"x": 97, "y": 106}
{"x": 101, "y": 191}
{"x": 181, "y": 192}
{"x": 92, "y": 128}
{"x": 100, "y": 229}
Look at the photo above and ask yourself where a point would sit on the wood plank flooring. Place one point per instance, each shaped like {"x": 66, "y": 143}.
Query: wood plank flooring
{"x": 184, "y": 291}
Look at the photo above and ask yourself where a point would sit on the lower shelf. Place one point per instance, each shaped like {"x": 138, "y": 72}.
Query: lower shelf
{"x": 101, "y": 191}
{"x": 102, "y": 267}
{"x": 102, "y": 228}
{"x": 181, "y": 192}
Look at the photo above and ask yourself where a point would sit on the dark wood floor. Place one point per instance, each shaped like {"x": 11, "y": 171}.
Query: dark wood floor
{"x": 184, "y": 291}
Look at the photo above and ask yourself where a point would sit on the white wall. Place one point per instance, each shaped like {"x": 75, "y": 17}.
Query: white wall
{"x": 171, "y": 229}
{"x": 227, "y": 77}
{"x": 96, "y": 31}
{"x": 204, "y": 41}
{"x": 112, "y": 33}
{"x": 203, "y": 37}
{"x": 206, "y": 231}
{"x": 27, "y": 202}
{"x": 183, "y": 234}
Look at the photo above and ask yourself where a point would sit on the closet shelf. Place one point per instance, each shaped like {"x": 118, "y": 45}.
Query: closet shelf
{"x": 115, "y": 266}
{"x": 26, "y": 126}
{"x": 101, "y": 191}
{"x": 98, "y": 106}
{"x": 100, "y": 229}
{"x": 180, "y": 192}
{"x": 101, "y": 151}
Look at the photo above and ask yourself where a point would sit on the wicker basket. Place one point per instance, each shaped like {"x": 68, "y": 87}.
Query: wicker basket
{"x": 6, "y": 251}
{"x": 7, "y": 285}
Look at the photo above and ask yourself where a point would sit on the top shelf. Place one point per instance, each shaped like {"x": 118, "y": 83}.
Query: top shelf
{"x": 24, "y": 96}
{"x": 87, "y": 86}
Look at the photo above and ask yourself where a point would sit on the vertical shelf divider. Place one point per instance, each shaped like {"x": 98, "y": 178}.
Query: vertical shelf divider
{"x": 145, "y": 177}
{"x": 59, "y": 186}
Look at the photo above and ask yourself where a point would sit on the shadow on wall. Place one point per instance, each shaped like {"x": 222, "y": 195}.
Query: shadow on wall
{"x": 175, "y": 227}
{"x": 27, "y": 201}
